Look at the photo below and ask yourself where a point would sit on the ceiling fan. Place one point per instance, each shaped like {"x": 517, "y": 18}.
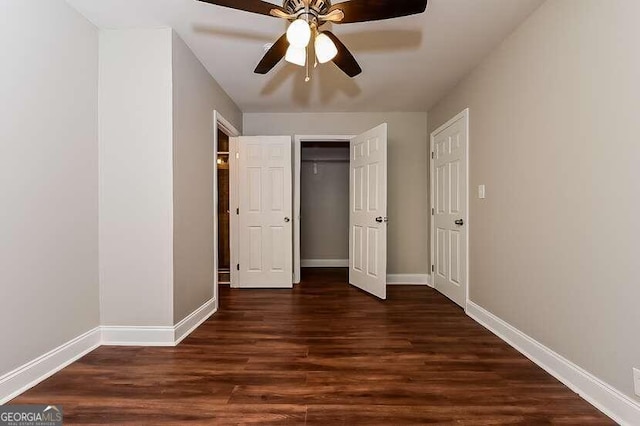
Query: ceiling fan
{"x": 307, "y": 16}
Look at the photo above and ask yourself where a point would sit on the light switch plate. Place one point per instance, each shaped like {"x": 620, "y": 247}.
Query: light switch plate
{"x": 636, "y": 381}
{"x": 481, "y": 192}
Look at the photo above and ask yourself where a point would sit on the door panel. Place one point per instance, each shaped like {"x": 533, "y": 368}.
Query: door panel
{"x": 265, "y": 254}
{"x": 368, "y": 236}
{"x": 450, "y": 146}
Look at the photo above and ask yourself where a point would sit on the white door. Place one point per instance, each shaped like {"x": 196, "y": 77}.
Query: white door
{"x": 368, "y": 212}
{"x": 265, "y": 252}
{"x": 449, "y": 146}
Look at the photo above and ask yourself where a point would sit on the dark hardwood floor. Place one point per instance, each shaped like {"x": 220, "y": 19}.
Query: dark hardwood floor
{"x": 321, "y": 354}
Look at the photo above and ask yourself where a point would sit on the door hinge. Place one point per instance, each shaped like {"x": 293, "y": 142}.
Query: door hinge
{"x": 433, "y": 211}
{"x": 433, "y": 268}
{"x": 237, "y": 211}
{"x": 237, "y": 155}
{"x": 432, "y": 155}
{"x": 238, "y": 266}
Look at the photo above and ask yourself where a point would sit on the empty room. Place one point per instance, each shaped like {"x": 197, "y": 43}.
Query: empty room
{"x": 315, "y": 212}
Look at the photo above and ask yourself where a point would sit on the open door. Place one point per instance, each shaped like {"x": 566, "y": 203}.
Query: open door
{"x": 368, "y": 212}
{"x": 265, "y": 227}
{"x": 449, "y": 200}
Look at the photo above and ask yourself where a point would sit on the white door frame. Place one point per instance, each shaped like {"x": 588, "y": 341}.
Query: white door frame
{"x": 221, "y": 123}
{"x": 465, "y": 115}
{"x": 297, "y": 143}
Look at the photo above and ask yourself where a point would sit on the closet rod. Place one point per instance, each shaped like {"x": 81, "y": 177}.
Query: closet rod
{"x": 329, "y": 160}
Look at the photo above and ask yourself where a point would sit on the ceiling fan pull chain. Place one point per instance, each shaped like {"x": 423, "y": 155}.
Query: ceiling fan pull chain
{"x": 315, "y": 55}
{"x": 307, "y": 78}
{"x": 307, "y": 49}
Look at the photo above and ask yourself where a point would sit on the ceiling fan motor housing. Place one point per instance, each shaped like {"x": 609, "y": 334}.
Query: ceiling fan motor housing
{"x": 299, "y": 9}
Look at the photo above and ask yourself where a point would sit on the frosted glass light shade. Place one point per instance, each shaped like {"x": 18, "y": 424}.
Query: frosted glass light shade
{"x": 326, "y": 49}
{"x": 296, "y": 55}
{"x": 299, "y": 33}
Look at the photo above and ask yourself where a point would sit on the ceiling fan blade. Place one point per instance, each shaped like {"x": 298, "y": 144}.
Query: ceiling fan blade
{"x": 255, "y": 6}
{"x": 344, "y": 59}
{"x": 375, "y": 10}
{"x": 273, "y": 55}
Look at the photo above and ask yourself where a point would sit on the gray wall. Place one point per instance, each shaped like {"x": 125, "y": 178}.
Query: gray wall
{"x": 324, "y": 205}
{"x": 554, "y": 136}
{"x": 407, "y": 179}
{"x": 136, "y": 184}
{"x": 195, "y": 96}
{"x": 156, "y": 177}
{"x": 48, "y": 178}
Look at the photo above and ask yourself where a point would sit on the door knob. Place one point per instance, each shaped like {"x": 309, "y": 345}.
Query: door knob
{"x": 286, "y": 219}
{"x": 459, "y": 222}
{"x": 381, "y": 219}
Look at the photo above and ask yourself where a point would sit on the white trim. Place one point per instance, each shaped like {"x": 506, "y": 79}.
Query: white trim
{"x": 30, "y": 374}
{"x": 409, "y": 279}
{"x": 194, "y": 320}
{"x": 234, "y": 204}
{"x": 137, "y": 336}
{"x": 604, "y": 397}
{"x": 324, "y": 263}
{"x": 297, "y": 152}
{"x": 463, "y": 114}
{"x": 158, "y": 336}
{"x": 216, "y": 125}
{"x": 226, "y": 126}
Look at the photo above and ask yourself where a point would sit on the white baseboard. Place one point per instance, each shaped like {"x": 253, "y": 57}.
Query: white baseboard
{"x": 30, "y": 374}
{"x": 158, "y": 336}
{"x": 604, "y": 397}
{"x": 193, "y": 321}
{"x": 409, "y": 279}
{"x": 324, "y": 263}
{"x": 137, "y": 336}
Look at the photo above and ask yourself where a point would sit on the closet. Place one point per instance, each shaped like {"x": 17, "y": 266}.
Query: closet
{"x": 324, "y": 204}
{"x": 224, "y": 246}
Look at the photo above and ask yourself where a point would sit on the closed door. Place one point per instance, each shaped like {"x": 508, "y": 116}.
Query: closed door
{"x": 449, "y": 202}
{"x": 368, "y": 212}
{"x": 265, "y": 252}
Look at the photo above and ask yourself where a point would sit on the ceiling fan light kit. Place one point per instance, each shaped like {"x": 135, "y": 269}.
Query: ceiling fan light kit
{"x": 326, "y": 49}
{"x": 307, "y": 16}
{"x": 296, "y": 55}
{"x": 299, "y": 33}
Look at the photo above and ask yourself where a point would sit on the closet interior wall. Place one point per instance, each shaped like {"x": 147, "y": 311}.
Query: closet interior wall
{"x": 324, "y": 204}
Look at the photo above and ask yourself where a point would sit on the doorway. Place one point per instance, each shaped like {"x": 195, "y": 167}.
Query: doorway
{"x": 367, "y": 207}
{"x": 224, "y": 209}
{"x": 324, "y": 205}
{"x": 298, "y": 141}
{"x": 224, "y": 189}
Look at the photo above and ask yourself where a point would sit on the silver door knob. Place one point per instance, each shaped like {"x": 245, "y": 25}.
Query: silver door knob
{"x": 459, "y": 222}
{"x": 286, "y": 219}
{"x": 381, "y": 219}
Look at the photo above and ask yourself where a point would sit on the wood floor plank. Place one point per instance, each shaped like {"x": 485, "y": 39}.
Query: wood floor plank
{"x": 323, "y": 353}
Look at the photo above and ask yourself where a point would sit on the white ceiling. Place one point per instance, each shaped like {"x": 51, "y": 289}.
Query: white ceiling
{"x": 408, "y": 63}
